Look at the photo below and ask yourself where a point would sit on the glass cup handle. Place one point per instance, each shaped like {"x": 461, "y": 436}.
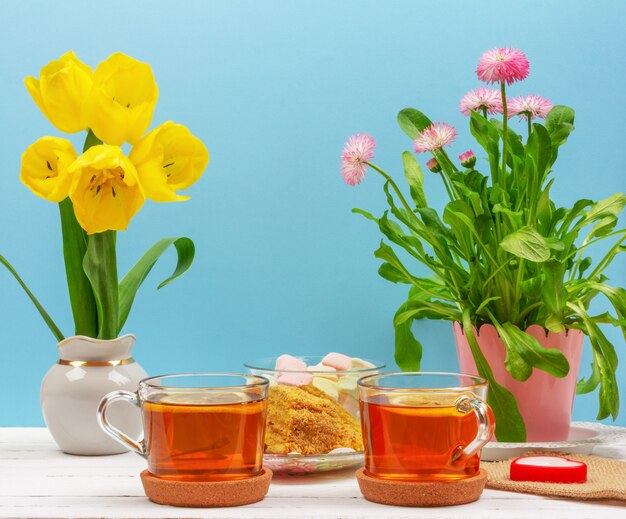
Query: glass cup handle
{"x": 119, "y": 436}
{"x": 485, "y": 423}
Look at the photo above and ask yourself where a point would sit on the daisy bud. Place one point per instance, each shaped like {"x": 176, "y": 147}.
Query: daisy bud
{"x": 433, "y": 165}
{"x": 467, "y": 159}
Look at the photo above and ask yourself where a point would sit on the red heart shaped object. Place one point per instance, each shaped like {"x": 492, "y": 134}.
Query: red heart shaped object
{"x": 549, "y": 469}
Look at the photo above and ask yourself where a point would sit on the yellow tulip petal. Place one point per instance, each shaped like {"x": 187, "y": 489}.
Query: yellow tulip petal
{"x": 61, "y": 92}
{"x": 122, "y": 101}
{"x": 105, "y": 190}
{"x": 45, "y": 165}
{"x": 168, "y": 159}
{"x": 32, "y": 85}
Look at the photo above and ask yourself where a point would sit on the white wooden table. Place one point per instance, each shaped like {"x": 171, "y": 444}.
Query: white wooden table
{"x": 37, "y": 480}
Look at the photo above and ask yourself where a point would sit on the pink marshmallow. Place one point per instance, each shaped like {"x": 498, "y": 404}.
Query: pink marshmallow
{"x": 290, "y": 363}
{"x": 339, "y": 361}
{"x": 321, "y": 367}
{"x": 294, "y": 379}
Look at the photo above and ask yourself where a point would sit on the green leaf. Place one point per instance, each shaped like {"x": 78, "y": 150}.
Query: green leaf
{"x": 412, "y": 122}
{"x": 364, "y": 213}
{"x": 514, "y": 141}
{"x": 605, "y": 364}
{"x": 555, "y": 244}
{"x": 584, "y": 264}
{"x": 435, "y": 225}
{"x": 488, "y": 137}
{"x": 185, "y": 250}
{"x": 617, "y": 298}
{"x": 391, "y": 273}
{"x": 515, "y": 218}
{"x": 526, "y": 243}
{"x": 408, "y": 354}
{"x": 610, "y": 206}
{"x": 100, "y": 266}
{"x": 46, "y": 317}
{"x": 574, "y": 212}
{"x": 545, "y": 210}
{"x": 424, "y": 308}
{"x": 559, "y": 123}
{"x": 82, "y": 300}
{"x": 509, "y": 423}
{"x": 587, "y": 386}
{"x": 554, "y": 295}
{"x": 394, "y": 232}
{"x": 524, "y": 352}
{"x": 540, "y": 147}
{"x": 486, "y": 302}
{"x": 415, "y": 179}
{"x": 602, "y": 228}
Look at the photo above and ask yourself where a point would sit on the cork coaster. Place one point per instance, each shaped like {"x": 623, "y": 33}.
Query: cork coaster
{"x": 206, "y": 494}
{"x": 409, "y": 493}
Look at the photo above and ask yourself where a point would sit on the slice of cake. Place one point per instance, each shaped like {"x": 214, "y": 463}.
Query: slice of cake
{"x": 306, "y": 420}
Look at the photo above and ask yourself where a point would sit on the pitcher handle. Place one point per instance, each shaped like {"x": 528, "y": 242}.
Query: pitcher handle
{"x": 485, "y": 422}
{"x": 119, "y": 436}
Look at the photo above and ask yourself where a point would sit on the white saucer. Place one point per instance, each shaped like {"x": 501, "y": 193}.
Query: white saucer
{"x": 583, "y": 438}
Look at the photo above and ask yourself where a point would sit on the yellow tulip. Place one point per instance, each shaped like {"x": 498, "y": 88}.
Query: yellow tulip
{"x": 45, "y": 168}
{"x": 122, "y": 100}
{"x": 105, "y": 190}
{"x": 168, "y": 159}
{"x": 61, "y": 91}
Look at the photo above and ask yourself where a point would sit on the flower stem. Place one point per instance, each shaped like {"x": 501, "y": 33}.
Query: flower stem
{"x": 529, "y": 125}
{"x": 505, "y": 117}
{"x": 394, "y": 186}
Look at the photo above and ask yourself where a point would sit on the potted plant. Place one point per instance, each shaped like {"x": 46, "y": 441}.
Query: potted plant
{"x": 510, "y": 268}
{"x": 98, "y": 193}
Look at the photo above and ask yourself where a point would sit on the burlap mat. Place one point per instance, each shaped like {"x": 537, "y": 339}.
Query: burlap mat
{"x": 606, "y": 479}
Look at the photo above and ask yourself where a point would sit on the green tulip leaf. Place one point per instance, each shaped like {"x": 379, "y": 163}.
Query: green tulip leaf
{"x": 46, "y": 317}
{"x": 135, "y": 277}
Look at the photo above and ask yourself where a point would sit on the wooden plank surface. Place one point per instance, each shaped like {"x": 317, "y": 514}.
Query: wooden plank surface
{"x": 37, "y": 480}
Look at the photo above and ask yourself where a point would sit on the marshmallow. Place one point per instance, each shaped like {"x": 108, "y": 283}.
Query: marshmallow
{"x": 319, "y": 370}
{"x": 338, "y": 361}
{"x": 294, "y": 379}
{"x": 348, "y": 384}
{"x": 361, "y": 364}
{"x": 327, "y": 386}
{"x": 290, "y": 363}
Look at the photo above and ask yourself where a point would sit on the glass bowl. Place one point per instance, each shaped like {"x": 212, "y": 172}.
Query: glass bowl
{"x": 313, "y": 420}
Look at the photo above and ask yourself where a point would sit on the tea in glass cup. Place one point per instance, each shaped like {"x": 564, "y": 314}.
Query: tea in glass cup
{"x": 424, "y": 426}
{"x": 197, "y": 427}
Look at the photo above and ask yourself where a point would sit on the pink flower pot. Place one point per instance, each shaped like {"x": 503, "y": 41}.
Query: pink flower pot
{"x": 545, "y": 402}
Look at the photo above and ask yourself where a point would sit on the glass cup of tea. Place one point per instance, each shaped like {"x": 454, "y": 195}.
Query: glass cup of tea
{"x": 424, "y": 427}
{"x": 197, "y": 427}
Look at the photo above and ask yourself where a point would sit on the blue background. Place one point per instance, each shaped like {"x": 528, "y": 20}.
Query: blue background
{"x": 274, "y": 89}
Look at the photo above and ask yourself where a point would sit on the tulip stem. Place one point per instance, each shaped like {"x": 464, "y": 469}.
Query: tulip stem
{"x": 100, "y": 266}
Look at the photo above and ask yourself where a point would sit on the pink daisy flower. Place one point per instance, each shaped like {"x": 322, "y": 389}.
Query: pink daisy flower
{"x": 436, "y": 136}
{"x": 467, "y": 159}
{"x": 433, "y": 165}
{"x": 502, "y": 64}
{"x": 357, "y": 150}
{"x": 481, "y": 99}
{"x": 529, "y": 107}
